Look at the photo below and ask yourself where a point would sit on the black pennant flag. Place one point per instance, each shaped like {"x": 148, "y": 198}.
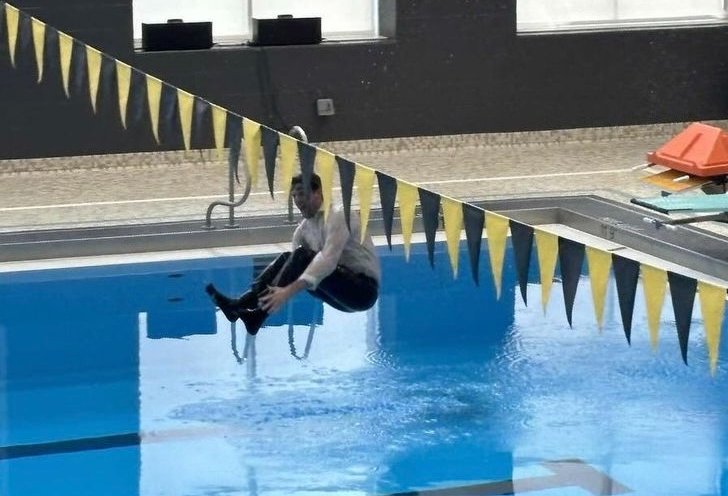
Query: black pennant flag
{"x": 78, "y": 84}
{"x": 233, "y": 138}
{"x": 387, "y": 195}
{"x": 201, "y": 124}
{"x": 307, "y": 154}
{"x": 682, "y": 293}
{"x": 571, "y": 259}
{"x": 3, "y": 25}
{"x": 269, "y": 138}
{"x": 169, "y": 127}
{"x": 430, "y": 203}
{"x": 137, "y": 104}
{"x": 626, "y": 273}
{"x": 24, "y": 44}
{"x": 522, "y": 239}
{"x": 106, "y": 83}
{"x": 347, "y": 171}
{"x": 474, "y": 222}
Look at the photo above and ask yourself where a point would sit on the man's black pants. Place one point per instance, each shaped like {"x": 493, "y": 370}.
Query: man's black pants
{"x": 342, "y": 289}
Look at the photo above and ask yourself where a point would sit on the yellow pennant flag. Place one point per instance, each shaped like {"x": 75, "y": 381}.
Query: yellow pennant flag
{"x": 452, "y": 211}
{"x": 93, "y": 63}
{"x": 185, "y": 101}
{"x": 654, "y": 284}
{"x": 407, "y": 196}
{"x": 154, "y": 96}
{"x": 12, "y": 18}
{"x": 547, "y": 249}
{"x": 65, "y": 46}
{"x": 364, "y": 181}
{"x": 496, "y": 227}
{"x": 219, "y": 124}
{"x": 251, "y": 135}
{"x": 39, "y": 44}
{"x": 123, "y": 78}
{"x": 289, "y": 150}
{"x": 599, "y": 263}
{"x": 325, "y": 162}
{"x": 712, "y": 306}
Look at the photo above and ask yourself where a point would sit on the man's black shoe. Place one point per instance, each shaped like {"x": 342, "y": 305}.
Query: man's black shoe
{"x": 253, "y": 320}
{"x": 227, "y": 305}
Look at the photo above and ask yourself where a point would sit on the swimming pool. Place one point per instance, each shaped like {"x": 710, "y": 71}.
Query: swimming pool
{"x": 121, "y": 380}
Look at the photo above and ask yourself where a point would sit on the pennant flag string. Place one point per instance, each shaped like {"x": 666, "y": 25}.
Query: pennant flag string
{"x": 137, "y": 90}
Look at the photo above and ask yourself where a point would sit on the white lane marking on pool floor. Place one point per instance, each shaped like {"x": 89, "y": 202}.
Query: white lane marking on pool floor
{"x": 266, "y": 193}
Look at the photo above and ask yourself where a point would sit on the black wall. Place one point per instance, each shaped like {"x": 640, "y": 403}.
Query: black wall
{"x": 454, "y": 66}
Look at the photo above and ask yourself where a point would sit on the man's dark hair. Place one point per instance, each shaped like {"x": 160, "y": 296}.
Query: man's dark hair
{"x": 315, "y": 181}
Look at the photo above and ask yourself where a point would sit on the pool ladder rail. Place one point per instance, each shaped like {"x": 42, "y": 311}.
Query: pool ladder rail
{"x": 298, "y": 133}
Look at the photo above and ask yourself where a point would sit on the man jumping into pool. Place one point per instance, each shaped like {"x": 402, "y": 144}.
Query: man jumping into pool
{"x": 327, "y": 259}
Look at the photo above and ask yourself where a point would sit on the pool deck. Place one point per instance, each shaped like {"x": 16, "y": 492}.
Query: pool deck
{"x": 157, "y": 187}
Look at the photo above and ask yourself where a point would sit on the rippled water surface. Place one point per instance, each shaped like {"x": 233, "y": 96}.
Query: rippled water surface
{"x": 123, "y": 381}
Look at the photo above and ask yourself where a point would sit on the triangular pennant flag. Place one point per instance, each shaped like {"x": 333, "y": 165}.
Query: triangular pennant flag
{"x": 185, "y": 103}
{"x": 654, "y": 284}
{"x": 474, "y": 223}
{"x": 682, "y": 293}
{"x": 430, "y": 203}
{"x": 547, "y": 250}
{"x": 251, "y": 135}
{"x": 78, "y": 80}
{"x": 347, "y": 171}
{"x": 712, "y": 307}
{"x": 202, "y": 117}
{"x": 269, "y": 138}
{"x": 3, "y": 24}
{"x": 626, "y": 274}
{"x": 522, "y": 239}
{"x": 12, "y": 19}
{"x": 599, "y": 263}
{"x": 93, "y": 60}
{"x": 107, "y": 79}
{"x": 123, "y": 78}
{"x": 387, "y": 197}
{"x": 169, "y": 126}
{"x": 452, "y": 214}
{"x": 571, "y": 260}
{"x": 234, "y": 138}
{"x": 289, "y": 148}
{"x": 65, "y": 47}
{"x": 325, "y": 162}
{"x": 496, "y": 227}
{"x": 307, "y": 158}
{"x": 407, "y": 201}
{"x": 39, "y": 45}
{"x": 154, "y": 97}
{"x": 138, "y": 106}
{"x": 219, "y": 123}
{"x": 364, "y": 180}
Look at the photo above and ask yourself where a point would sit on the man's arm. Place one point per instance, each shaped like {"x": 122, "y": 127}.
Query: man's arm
{"x": 325, "y": 261}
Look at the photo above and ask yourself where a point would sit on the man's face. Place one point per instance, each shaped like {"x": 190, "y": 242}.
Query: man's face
{"x": 309, "y": 204}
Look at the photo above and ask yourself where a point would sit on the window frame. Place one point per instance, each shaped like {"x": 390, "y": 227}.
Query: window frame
{"x": 623, "y": 24}
{"x": 241, "y": 39}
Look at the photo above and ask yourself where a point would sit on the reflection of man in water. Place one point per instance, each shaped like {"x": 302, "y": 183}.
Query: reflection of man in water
{"x": 328, "y": 260}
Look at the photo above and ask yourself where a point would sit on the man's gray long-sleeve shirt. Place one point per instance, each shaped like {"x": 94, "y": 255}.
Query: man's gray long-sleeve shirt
{"x": 335, "y": 245}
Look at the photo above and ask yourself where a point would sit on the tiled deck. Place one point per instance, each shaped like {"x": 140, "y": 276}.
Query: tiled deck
{"x": 145, "y": 188}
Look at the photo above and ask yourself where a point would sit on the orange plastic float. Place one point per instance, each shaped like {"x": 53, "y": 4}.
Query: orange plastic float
{"x": 700, "y": 150}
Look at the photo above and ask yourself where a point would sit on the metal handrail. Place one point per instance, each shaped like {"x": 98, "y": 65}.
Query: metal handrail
{"x": 231, "y": 203}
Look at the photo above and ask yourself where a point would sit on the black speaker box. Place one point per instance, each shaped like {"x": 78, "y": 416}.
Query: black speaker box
{"x": 176, "y": 36}
{"x": 286, "y": 31}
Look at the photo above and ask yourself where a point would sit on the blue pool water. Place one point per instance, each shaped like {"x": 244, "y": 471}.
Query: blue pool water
{"x": 122, "y": 380}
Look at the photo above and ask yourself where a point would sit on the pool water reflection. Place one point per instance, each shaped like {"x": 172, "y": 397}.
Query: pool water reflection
{"x": 122, "y": 380}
